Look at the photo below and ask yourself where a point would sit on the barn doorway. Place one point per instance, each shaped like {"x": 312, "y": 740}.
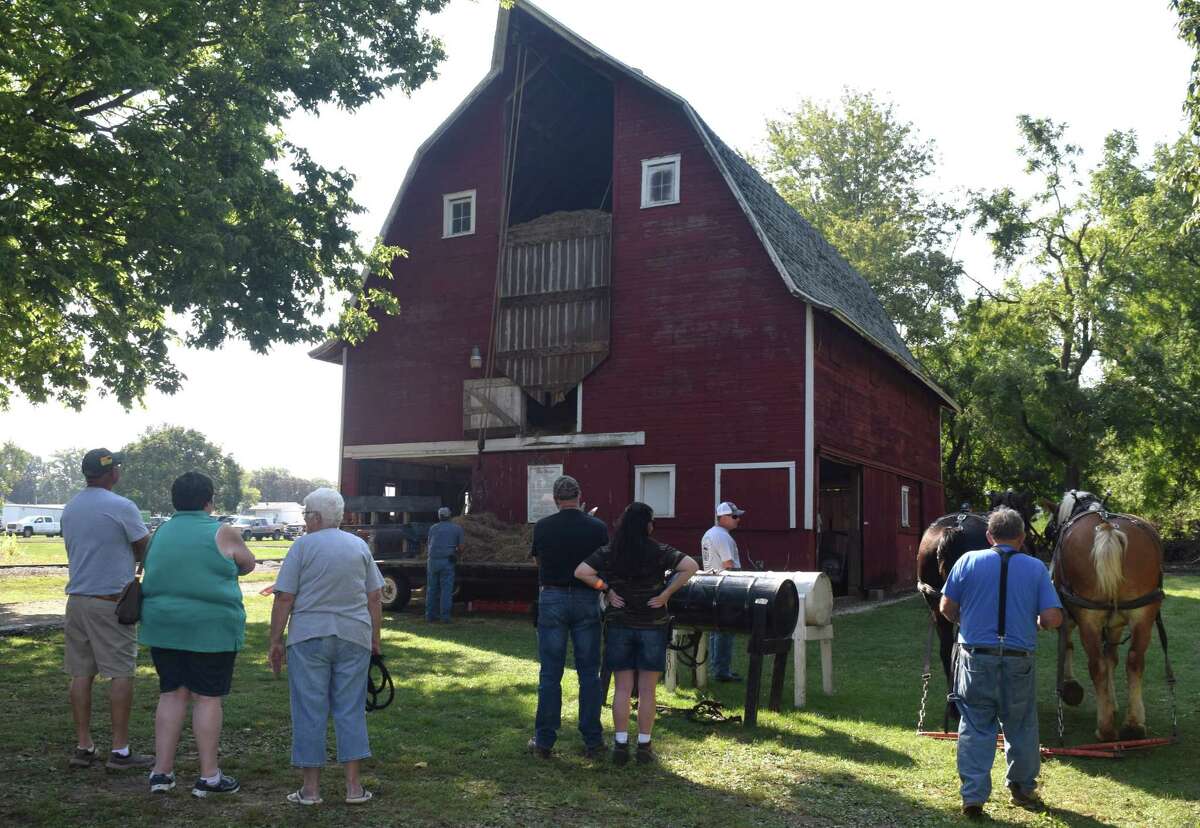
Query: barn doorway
{"x": 839, "y": 544}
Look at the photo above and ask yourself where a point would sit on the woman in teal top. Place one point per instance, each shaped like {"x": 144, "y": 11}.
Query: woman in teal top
{"x": 194, "y": 623}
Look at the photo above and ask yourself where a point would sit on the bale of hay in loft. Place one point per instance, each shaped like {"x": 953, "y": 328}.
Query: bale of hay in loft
{"x": 486, "y": 538}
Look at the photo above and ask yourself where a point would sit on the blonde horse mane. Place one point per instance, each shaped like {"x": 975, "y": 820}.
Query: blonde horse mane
{"x": 1108, "y": 552}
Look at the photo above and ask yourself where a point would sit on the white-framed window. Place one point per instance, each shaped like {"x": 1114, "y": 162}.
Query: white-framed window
{"x": 660, "y": 181}
{"x": 655, "y": 486}
{"x": 389, "y": 491}
{"x": 904, "y": 521}
{"x": 458, "y": 214}
{"x": 778, "y": 508}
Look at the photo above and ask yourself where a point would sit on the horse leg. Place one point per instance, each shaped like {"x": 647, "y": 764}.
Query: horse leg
{"x": 946, "y": 650}
{"x": 1091, "y": 636}
{"x": 1141, "y": 623}
{"x": 1072, "y": 691}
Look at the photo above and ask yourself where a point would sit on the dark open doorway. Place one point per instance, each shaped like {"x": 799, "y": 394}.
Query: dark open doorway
{"x": 839, "y": 545}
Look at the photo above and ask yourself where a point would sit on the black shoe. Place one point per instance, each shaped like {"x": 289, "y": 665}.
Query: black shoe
{"x": 224, "y": 785}
{"x": 645, "y": 753}
{"x": 537, "y": 750}
{"x": 620, "y": 753}
{"x": 134, "y": 760}
{"x": 1028, "y": 800}
{"x": 161, "y": 782}
{"x": 593, "y": 752}
{"x": 730, "y": 677}
{"x": 973, "y": 811}
{"x": 83, "y": 758}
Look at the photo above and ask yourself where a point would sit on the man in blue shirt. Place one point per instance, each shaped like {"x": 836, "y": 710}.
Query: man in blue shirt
{"x": 443, "y": 544}
{"x": 994, "y": 678}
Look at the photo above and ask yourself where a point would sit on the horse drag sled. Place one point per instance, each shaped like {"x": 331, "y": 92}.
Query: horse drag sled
{"x": 1107, "y": 568}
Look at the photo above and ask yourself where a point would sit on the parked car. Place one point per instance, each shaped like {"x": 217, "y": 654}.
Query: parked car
{"x": 293, "y": 530}
{"x": 35, "y": 525}
{"x": 226, "y": 518}
{"x": 258, "y": 528}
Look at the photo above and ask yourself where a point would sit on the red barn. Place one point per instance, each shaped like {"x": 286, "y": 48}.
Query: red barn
{"x": 597, "y": 285}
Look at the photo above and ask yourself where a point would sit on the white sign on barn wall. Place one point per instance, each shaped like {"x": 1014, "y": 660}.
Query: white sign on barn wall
{"x": 540, "y": 491}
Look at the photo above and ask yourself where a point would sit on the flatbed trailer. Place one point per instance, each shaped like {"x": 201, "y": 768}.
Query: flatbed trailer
{"x": 473, "y": 580}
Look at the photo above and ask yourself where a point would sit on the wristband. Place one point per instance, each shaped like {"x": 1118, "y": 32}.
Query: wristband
{"x": 600, "y": 585}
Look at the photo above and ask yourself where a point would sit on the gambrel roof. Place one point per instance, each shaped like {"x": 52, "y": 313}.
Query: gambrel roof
{"x": 811, "y": 268}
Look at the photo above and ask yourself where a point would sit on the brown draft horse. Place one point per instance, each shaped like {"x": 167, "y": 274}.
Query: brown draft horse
{"x": 1108, "y": 570}
{"x": 945, "y": 541}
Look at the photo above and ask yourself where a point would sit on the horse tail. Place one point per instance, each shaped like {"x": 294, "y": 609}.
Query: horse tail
{"x": 1108, "y": 553}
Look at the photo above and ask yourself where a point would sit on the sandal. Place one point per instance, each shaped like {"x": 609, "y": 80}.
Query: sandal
{"x": 365, "y": 796}
{"x": 297, "y": 798}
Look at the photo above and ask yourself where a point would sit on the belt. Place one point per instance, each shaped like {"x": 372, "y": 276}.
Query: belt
{"x": 997, "y": 651}
{"x": 569, "y": 587}
{"x": 113, "y": 598}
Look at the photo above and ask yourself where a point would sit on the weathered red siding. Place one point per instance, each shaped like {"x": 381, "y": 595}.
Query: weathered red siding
{"x": 707, "y": 353}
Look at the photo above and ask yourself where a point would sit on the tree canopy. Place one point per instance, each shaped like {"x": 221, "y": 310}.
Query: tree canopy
{"x": 858, "y": 173}
{"x": 279, "y": 485}
{"x": 155, "y": 459}
{"x": 145, "y": 177}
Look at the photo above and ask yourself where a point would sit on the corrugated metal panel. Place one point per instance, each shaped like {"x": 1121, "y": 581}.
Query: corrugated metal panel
{"x": 555, "y": 299}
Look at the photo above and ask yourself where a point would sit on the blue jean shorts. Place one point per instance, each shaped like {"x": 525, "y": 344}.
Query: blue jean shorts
{"x": 627, "y": 648}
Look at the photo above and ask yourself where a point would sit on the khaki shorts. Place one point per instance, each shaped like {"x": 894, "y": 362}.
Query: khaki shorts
{"x": 96, "y": 643}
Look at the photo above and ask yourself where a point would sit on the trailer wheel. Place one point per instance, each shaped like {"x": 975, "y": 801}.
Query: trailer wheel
{"x": 396, "y": 592}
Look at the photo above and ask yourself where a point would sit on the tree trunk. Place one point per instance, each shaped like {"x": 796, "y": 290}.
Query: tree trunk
{"x": 1071, "y": 475}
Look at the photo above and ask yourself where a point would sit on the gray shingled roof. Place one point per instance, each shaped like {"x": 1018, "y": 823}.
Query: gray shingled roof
{"x": 815, "y": 268}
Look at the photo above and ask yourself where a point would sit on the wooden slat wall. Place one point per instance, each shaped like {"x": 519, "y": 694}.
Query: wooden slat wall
{"x": 555, "y": 299}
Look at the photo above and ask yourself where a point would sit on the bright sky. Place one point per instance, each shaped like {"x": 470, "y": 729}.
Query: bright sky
{"x": 962, "y": 72}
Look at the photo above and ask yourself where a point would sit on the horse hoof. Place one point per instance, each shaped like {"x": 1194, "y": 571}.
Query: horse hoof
{"x": 1072, "y": 693}
{"x": 1133, "y": 731}
{"x": 1106, "y": 735}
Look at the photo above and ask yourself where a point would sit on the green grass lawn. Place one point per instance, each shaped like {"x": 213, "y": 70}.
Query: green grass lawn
{"x": 450, "y": 750}
{"x": 33, "y": 551}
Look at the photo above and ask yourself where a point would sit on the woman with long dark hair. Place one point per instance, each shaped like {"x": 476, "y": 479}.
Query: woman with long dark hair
{"x": 634, "y": 568}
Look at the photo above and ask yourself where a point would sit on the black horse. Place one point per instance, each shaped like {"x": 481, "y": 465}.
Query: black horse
{"x": 945, "y": 541}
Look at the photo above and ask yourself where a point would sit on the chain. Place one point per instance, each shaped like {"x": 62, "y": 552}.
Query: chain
{"x": 1174, "y": 718}
{"x": 1059, "y": 697}
{"x": 924, "y": 695}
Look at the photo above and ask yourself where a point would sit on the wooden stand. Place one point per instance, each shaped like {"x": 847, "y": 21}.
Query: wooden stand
{"x": 800, "y": 637}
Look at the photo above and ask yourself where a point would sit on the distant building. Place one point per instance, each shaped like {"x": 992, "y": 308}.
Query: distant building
{"x": 278, "y": 512}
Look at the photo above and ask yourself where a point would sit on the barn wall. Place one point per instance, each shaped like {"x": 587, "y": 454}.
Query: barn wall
{"x": 706, "y": 358}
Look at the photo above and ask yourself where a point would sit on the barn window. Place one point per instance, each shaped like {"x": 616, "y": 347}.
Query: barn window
{"x": 458, "y": 214}
{"x": 767, "y": 491}
{"x": 655, "y": 486}
{"x": 660, "y": 181}
{"x": 904, "y": 521}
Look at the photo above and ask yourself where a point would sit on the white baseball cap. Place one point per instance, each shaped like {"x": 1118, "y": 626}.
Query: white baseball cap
{"x": 728, "y": 508}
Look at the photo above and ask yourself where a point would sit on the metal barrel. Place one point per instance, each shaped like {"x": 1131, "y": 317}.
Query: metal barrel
{"x": 726, "y": 602}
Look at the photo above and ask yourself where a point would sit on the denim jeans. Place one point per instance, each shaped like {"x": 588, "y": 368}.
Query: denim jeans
{"x": 328, "y": 676}
{"x": 720, "y": 654}
{"x": 990, "y": 691}
{"x": 564, "y": 613}
{"x": 439, "y": 589}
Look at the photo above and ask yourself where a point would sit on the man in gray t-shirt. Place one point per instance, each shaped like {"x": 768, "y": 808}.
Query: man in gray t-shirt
{"x": 719, "y": 551}
{"x": 104, "y": 535}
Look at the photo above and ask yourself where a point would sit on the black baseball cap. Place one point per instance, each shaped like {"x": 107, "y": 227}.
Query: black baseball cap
{"x": 101, "y": 461}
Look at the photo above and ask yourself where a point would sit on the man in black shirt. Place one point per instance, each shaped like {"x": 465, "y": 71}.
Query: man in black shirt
{"x": 567, "y": 607}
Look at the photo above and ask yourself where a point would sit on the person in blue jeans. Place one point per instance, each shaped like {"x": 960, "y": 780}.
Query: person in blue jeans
{"x": 444, "y": 541}
{"x": 999, "y": 597}
{"x": 637, "y": 619}
{"x": 567, "y": 609}
{"x": 719, "y": 552}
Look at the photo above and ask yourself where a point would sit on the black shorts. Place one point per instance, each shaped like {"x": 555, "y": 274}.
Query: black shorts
{"x": 205, "y": 674}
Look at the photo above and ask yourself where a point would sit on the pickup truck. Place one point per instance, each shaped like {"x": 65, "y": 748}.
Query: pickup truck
{"x": 258, "y": 528}
{"x": 31, "y": 525}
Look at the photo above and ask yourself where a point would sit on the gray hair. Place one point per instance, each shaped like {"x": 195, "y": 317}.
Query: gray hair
{"x": 566, "y": 488}
{"x": 1006, "y": 524}
{"x": 328, "y": 504}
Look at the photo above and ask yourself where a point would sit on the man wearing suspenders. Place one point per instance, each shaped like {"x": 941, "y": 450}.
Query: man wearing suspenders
{"x": 999, "y": 597}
